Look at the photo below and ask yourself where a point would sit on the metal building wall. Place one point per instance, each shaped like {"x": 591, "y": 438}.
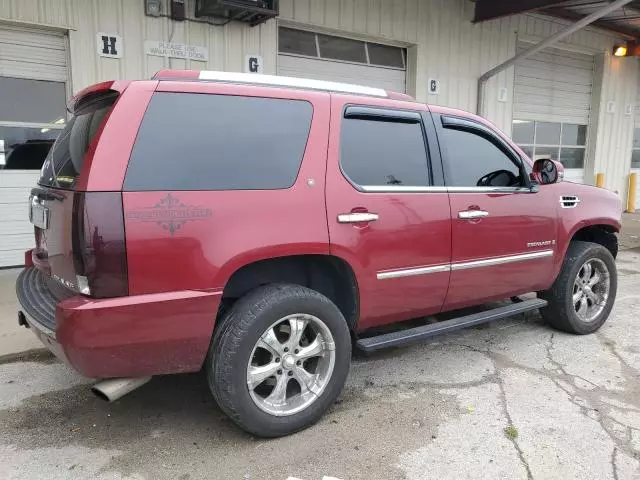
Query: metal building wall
{"x": 443, "y": 44}
{"x": 614, "y": 140}
{"x": 227, "y": 45}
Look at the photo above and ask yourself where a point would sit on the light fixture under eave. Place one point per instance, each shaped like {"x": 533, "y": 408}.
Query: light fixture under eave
{"x": 620, "y": 51}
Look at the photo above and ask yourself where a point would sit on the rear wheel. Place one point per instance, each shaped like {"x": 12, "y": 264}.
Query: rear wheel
{"x": 581, "y": 298}
{"x": 280, "y": 359}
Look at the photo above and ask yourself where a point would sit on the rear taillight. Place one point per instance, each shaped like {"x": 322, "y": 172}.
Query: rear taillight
{"x": 99, "y": 251}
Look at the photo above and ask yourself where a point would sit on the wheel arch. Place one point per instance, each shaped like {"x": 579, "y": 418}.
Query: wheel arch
{"x": 329, "y": 275}
{"x": 602, "y": 233}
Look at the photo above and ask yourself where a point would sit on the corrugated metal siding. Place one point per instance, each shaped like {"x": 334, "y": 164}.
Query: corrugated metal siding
{"x": 449, "y": 47}
{"x": 442, "y": 41}
{"x": 637, "y": 104}
{"x": 227, "y": 45}
{"x": 615, "y": 130}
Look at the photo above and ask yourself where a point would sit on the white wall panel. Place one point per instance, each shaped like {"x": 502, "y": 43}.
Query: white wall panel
{"x": 613, "y": 144}
{"x": 441, "y": 39}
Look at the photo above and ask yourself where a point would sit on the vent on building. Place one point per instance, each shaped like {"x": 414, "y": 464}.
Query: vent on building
{"x": 253, "y": 12}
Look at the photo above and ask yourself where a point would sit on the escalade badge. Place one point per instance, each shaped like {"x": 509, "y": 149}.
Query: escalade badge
{"x": 170, "y": 213}
{"x": 544, "y": 243}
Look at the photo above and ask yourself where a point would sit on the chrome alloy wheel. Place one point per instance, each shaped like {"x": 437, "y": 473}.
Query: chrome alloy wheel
{"x": 591, "y": 290}
{"x": 291, "y": 364}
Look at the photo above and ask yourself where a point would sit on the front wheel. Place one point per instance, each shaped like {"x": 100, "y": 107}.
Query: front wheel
{"x": 581, "y": 298}
{"x": 280, "y": 360}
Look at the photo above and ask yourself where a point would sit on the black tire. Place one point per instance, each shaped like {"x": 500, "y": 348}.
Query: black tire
{"x": 560, "y": 313}
{"x": 233, "y": 343}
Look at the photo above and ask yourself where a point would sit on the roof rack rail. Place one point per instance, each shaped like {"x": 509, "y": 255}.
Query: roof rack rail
{"x": 269, "y": 80}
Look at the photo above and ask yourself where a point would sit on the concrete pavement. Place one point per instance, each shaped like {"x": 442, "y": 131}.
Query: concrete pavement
{"x": 438, "y": 410}
{"x": 13, "y": 339}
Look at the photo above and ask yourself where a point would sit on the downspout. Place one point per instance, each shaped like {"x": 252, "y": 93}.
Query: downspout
{"x": 482, "y": 81}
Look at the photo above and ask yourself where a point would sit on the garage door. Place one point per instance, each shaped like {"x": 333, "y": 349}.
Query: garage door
{"x": 33, "y": 74}
{"x": 551, "y": 106}
{"x": 327, "y": 57}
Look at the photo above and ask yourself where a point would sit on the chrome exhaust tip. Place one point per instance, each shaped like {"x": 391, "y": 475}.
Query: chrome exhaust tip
{"x": 114, "y": 388}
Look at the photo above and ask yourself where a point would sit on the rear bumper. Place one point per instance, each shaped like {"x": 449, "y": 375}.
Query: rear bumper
{"x": 130, "y": 336}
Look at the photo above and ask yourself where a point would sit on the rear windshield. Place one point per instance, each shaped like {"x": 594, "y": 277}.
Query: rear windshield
{"x": 194, "y": 141}
{"x": 63, "y": 163}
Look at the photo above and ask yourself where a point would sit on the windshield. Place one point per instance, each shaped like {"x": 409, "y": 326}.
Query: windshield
{"x": 62, "y": 166}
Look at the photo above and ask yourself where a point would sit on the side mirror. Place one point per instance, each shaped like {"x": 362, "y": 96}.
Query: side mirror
{"x": 547, "y": 171}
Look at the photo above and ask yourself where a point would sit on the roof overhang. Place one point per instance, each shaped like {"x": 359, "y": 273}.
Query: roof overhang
{"x": 624, "y": 21}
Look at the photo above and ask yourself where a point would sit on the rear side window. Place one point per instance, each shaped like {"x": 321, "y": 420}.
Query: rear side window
{"x": 192, "y": 141}
{"x": 380, "y": 152}
{"x": 64, "y": 161}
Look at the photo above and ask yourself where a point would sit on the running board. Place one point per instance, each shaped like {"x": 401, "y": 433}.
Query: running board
{"x": 404, "y": 337}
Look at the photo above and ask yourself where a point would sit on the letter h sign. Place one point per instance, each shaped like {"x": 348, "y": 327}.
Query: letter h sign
{"x": 109, "y": 45}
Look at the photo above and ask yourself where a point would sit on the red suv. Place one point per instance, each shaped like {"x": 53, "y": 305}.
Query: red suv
{"x": 260, "y": 226}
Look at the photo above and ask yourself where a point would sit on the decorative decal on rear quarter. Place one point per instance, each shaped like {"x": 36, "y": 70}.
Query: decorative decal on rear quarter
{"x": 170, "y": 213}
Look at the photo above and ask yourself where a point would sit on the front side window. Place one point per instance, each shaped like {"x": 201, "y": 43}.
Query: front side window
{"x": 472, "y": 160}
{"x": 565, "y": 142}
{"x": 194, "y": 141}
{"x": 378, "y": 152}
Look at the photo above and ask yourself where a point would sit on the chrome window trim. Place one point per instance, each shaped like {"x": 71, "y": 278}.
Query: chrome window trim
{"x": 488, "y": 262}
{"x": 418, "y": 189}
{"x": 488, "y": 190}
{"x": 400, "y": 189}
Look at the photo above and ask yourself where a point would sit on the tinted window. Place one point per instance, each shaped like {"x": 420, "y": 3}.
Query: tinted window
{"x": 470, "y": 158}
{"x": 384, "y": 153}
{"x": 64, "y": 161}
{"x": 523, "y": 132}
{"x": 342, "y": 49}
{"x": 297, "y": 41}
{"x": 385, "y": 55}
{"x": 191, "y": 141}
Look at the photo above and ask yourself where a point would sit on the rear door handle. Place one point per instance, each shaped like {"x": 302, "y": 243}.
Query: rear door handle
{"x": 471, "y": 214}
{"x": 357, "y": 217}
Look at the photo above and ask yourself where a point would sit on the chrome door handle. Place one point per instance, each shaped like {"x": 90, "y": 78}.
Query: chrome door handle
{"x": 471, "y": 214}
{"x": 358, "y": 217}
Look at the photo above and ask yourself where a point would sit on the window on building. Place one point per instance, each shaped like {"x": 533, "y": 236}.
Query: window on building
{"x": 474, "y": 161}
{"x": 30, "y": 122}
{"x": 635, "y": 154}
{"x": 379, "y": 152}
{"x": 191, "y": 141}
{"x": 565, "y": 142}
{"x": 297, "y": 42}
{"x": 338, "y": 48}
{"x": 331, "y": 47}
